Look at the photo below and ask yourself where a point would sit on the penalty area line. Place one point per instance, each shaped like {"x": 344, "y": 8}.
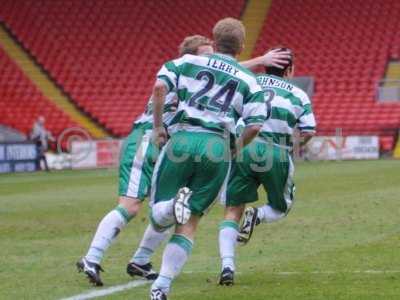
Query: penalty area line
{"x": 108, "y": 291}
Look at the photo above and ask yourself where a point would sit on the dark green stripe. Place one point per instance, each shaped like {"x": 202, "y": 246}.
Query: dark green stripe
{"x": 170, "y": 66}
{"x": 254, "y": 120}
{"x": 257, "y": 97}
{"x": 289, "y": 96}
{"x": 182, "y": 118}
{"x": 167, "y": 81}
{"x": 183, "y": 242}
{"x": 307, "y": 128}
{"x": 283, "y": 114}
{"x": 124, "y": 213}
{"x": 229, "y": 224}
{"x": 307, "y": 110}
{"x": 144, "y": 125}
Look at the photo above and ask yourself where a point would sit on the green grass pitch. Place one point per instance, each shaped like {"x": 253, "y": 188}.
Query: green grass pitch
{"x": 340, "y": 241}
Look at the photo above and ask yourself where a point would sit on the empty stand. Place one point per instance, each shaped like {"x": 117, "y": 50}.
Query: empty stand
{"x": 346, "y": 46}
{"x": 21, "y": 102}
{"x": 105, "y": 54}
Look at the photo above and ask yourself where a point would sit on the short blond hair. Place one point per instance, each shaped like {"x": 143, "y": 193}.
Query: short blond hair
{"x": 229, "y": 35}
{"x": 191, "y": 44}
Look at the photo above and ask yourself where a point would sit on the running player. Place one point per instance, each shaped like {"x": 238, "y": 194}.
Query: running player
{"x": 138, "y": 156}
{"x": 266, "y": 161}
{"x": 213, "y": 92}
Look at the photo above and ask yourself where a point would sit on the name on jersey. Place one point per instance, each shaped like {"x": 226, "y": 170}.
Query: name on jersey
{"x": 272, "y": 82}
{"x": 222, "y": 66}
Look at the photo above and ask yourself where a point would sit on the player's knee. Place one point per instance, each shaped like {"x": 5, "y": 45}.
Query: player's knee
{"x": 162, "y": 216}
{"x": 270, "y": 215}
{"x": 132, "y": 205}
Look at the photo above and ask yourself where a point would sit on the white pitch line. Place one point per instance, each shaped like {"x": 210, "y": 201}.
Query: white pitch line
{"x": 108, "y": 291}
{"x": 123, "y": 287}
{"x": 339, "y": 272}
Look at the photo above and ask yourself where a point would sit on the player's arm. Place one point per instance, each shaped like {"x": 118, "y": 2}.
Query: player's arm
{"x": 306, "y": 123}
{"x": 248, "y": 134}
{"x": 166, "y": 82}
{"x": 305, "y": 137}
{"x": 254, "y": 115}
{"x": 159, "y": 92}
{"x": 273, "y": 58}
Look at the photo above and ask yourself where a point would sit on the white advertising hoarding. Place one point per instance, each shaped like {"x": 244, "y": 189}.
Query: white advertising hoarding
{"x": 338, "y": 147}
{"x": 95, "y": 154}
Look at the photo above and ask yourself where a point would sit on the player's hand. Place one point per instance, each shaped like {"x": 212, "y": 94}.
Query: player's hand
{"x": 276, "y": 58}
{"x": 160, "y": 136}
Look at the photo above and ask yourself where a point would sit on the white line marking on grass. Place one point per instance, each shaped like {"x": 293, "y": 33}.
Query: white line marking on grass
{"x": 133, "y": 284}
{"x": 339, "y": 272}
{"x": 108, "y": 291}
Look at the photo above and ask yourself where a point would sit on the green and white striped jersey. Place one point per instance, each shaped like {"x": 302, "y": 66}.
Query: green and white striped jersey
{"x": 288, "y": 108}
{"x": 213, "y": 92}
{"x": 146, "y": 118}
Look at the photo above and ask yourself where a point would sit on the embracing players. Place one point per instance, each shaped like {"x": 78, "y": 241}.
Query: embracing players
{"x": 266, "y": 161}
{"x": 138, "y": 156}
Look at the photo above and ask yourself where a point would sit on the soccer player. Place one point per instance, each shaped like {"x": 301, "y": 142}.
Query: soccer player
{"x": 139, "y": 264}
{"x": 266, "y": 161}
{"x": 138, "y": 156}
{"x": 213, "y": 92}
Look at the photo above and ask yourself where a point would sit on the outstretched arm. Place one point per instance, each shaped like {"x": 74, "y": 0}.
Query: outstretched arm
{"x": 273, "y": 58}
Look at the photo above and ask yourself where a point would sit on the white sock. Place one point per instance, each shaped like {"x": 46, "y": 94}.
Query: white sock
{"x": 267, "y": 214}
{"x": 107, "y": 231}
{"x": 150, "y": 242}
{"x": 228, "y": 232}
{"x": 175, "y": 255}
{"x": 162, "y": 215}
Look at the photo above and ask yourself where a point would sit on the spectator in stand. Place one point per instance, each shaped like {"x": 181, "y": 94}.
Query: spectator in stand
{"x": 40, "y": 135}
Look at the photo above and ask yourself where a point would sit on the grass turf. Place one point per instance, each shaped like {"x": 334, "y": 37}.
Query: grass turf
{"x": 343, "y": 228}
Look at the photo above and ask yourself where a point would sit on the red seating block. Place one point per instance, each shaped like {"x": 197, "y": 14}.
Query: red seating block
{"x": 345, "y": 46}
{"x": 21, "y": 102}
{"x": 105, "y": 54}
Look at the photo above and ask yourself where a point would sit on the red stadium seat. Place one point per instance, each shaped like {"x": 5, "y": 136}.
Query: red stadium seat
{"x": 108, "y": 52}
{"x": 21, "y": 102}
{"x": 346, "y": 48}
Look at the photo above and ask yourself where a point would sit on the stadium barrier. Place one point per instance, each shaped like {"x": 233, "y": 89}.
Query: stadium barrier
{"x": 342, "y": 148}
{"x": 18, "y": 157}
{"x": 95, "y": 154}
{"x": 105, "y": 153}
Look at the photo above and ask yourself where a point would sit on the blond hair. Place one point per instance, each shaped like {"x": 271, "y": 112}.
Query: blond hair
{"x": 191, "y": 44}
{"x": 229, "y": 35}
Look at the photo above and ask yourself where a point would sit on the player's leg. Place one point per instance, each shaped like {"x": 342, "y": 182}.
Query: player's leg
{"x": 280, "y": 188}
{"x": 175, "y": 255}
{"x": 140, "y": 264}
{"x": 242, "y": 189}
{"x": 134, "y": 184}
{"x": 204, "y": 192}
{"x": 173, "y": 170}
